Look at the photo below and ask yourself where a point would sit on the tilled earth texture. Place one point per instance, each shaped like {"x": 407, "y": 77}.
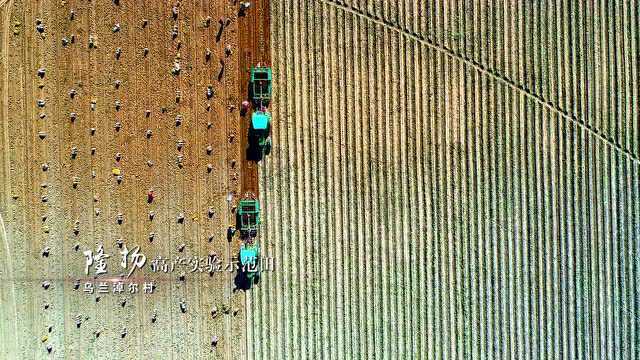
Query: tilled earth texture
{"x": 452, "y": 180}
{"x": 119, "y": 129}
{"x": 449, "y": 179}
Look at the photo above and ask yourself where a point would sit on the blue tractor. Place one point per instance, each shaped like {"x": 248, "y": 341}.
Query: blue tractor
{"x": 260, "y": 132}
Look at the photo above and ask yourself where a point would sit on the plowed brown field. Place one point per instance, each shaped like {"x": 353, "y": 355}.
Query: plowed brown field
{"x": 34, "y": 318}
{"x": 452, "y": 179}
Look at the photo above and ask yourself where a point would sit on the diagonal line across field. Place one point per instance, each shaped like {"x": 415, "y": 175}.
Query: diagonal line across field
{"x": 483, "y": 70}
{"x": 423, "y": 198}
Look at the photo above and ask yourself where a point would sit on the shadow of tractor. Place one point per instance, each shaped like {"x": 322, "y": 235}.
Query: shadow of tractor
{"x": 244, "y": 280}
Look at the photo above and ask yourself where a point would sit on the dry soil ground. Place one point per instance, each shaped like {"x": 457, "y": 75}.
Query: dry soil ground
{"x": 449, "y": 179}
{"x": 39, "y": 209}
{"x": 452, "y": 179}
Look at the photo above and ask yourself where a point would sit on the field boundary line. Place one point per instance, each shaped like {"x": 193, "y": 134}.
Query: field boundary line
{"x": 482, "y": 70}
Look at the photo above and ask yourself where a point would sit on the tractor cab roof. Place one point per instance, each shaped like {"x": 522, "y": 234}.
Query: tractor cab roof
{"x": 249, "y": 253}
{"x": 260, "y": 120}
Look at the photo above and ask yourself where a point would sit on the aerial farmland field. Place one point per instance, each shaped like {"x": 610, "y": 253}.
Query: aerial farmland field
{"x": 447, "y": 179}
{"x": 452, "y": 179}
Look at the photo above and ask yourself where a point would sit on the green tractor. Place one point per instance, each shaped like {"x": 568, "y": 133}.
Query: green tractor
{"x": 250, "y": 262}
{"x": 248, "y": 217}
{"x": 260, "y": 86}
{"x": 260, "y": 133}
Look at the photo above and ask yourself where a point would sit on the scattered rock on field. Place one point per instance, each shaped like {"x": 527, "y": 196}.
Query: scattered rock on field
{"x": 40, "y": 28}
{"x": 176, "y": 68}
{"x": 92, "y": 42}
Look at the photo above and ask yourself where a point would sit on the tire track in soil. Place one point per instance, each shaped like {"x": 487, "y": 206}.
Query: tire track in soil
{"x": 221, "y": 163}
{"x": 83, "y": 74}
{"x": 270, "y": 289}
{"x": 161, "y": 146}
{"x": 150, "y": 332}
{"x": 233, "y": 95}
{"x": 195, "y": 234}
{"x": 103, "y": 118}
{"x": 132, "y": 114}
{"x": 253, "y": 48}
{"x": 209, "y": 193}
{"x": 177, "y": 198}
{"x": 123, "y": 140}
{"x": 234, "y": 182}
{"x": 59, "y": 178}
{"x": 158, "y": 149}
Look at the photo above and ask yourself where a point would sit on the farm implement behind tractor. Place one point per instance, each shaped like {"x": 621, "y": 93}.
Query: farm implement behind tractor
{"x": 248, "y": 218}
{"x": 260, "y": 86}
